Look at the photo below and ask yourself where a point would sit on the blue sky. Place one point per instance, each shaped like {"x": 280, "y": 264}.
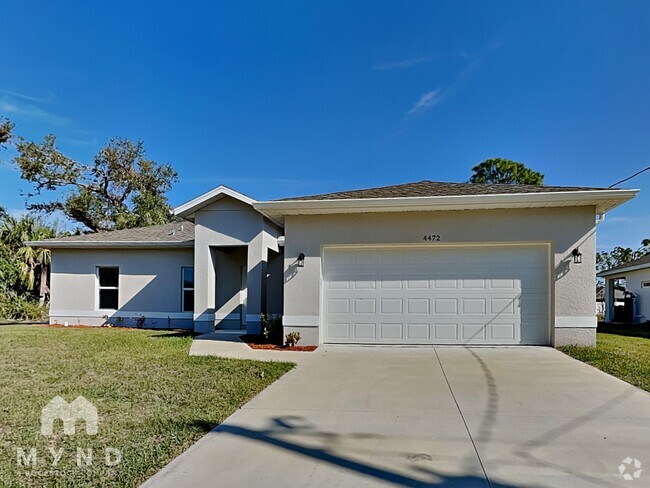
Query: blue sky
{"x": 287, "y": 98}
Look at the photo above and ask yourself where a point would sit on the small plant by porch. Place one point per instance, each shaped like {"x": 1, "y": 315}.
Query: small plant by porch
{"x": 271, "y": 337}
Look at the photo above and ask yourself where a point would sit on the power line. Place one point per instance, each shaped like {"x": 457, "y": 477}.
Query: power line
{"x": 629, "y": 177}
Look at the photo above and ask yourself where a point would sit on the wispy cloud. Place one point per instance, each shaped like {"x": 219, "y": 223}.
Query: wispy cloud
{"x": 437, "y": 96}
{"x": 80, "y": 142}
{"x": 406, "y": 63}
{"x": 26, "y": 107}
{"x": 426, "y": 101}
{"x": 434, "y": 97}
{"x": 417, "y": 60}
{"x": 47, "y": 98}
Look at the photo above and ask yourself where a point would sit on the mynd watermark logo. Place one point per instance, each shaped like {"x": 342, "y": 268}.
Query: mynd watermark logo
{"x": 68, "y": 413}
{"x": 630, "y": 469}
{"x": 59, "y": 412}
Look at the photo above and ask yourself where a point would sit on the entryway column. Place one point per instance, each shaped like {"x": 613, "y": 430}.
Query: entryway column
{"x": 204, "y": 286}
{"x": 256, "y": 276}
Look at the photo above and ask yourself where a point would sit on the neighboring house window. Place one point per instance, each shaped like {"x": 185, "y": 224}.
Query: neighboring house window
{"x": 645, "y": 284}
{"x": 187, "y": 276}
{"x": 109, "y": 281}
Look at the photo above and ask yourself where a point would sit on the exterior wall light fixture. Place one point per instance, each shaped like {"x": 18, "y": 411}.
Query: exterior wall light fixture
{"x": 577, "y": 256}
{"x": 301, "y": 260}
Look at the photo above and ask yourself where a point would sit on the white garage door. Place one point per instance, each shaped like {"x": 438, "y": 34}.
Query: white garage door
{"x": 441, "y": 295}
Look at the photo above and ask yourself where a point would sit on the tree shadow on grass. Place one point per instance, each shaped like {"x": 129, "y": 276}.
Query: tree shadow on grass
{"x": 628, "y": 330}
{"x": 174, "y": 333}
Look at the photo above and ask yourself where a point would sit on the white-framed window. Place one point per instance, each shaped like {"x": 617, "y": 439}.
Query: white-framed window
{"x": 645, "y": 284}
{"x": 187, "y": 292}
{"x": 108, "y": 287}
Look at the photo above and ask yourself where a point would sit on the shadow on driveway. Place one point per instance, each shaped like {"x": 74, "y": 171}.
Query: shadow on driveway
{"x": 292, "y": 425}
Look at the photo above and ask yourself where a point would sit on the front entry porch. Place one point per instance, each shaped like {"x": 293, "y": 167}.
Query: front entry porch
{"x": 237, "y": 288}
{"x": 231, "y": 279}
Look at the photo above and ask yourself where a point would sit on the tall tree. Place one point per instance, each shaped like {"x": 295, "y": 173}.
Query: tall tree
{"x": 5, "y": 131}
{"x": 500, "y": 170}
{"x": 120, "y": 189}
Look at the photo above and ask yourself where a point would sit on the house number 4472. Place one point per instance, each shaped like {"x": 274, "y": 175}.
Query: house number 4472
{"x": 431, "y": 238}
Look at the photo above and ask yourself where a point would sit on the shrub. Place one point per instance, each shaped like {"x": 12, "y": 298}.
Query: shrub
{"x": 293, "y": 338}
{"x": 272, "y": 328}
{"x": 17, "y": 307}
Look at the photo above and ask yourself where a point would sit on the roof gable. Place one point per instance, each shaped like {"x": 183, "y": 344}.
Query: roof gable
{"x": 188, "y": 209}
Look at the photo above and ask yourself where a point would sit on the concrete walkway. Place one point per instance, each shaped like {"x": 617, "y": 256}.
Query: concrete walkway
{"x": 226, "y": 344}
{"x": 489, "y": 417}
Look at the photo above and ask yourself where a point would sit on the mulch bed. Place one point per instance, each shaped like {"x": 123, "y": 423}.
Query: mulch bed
{"x": 61, "y": 326}
{"x": 259, "y": 342}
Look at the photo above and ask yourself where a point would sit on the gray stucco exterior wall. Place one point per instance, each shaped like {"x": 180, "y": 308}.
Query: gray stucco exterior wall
{"x": 149, "y": 286}
{"x": 573, "y": 286}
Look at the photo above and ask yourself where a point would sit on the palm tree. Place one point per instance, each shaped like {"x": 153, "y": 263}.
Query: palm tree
{"x": 36, "y": 260}
{"x": 14, "y": 232}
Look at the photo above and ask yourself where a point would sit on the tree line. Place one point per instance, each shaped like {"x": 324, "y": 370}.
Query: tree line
{"x": 621, "y": 255}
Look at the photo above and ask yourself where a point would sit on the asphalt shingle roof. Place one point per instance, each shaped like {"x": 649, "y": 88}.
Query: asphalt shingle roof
{"x": 637, "y": 262}
{"x": 174, "y": 233}
{"x": 428, "y": 188}
{"x": 180, "y": 233}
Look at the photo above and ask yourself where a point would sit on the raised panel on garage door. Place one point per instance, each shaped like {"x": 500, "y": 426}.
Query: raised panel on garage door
{"x": 441, "y": 295}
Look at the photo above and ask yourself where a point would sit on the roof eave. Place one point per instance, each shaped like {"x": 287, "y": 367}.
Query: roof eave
{"x": 622, "y": 271}
{"x": 109, "y": 244}
{"x": 603, "y": 200}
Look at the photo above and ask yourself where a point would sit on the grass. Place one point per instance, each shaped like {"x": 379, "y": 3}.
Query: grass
{"x": 153, "y": 400}
{"x": 622, "y": 351}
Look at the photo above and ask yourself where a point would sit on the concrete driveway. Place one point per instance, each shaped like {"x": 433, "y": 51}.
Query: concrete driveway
{"x": 495, "y": 417}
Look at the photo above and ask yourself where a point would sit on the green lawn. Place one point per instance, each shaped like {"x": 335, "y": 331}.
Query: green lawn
{"x": 153, "y": 400}
{"x": 622, "y": 351}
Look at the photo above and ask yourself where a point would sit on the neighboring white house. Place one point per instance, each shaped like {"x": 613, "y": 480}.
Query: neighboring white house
{"x": 637, "y": 280}
{"x": 418, "y": 263}
{"x": 619, "y": 298}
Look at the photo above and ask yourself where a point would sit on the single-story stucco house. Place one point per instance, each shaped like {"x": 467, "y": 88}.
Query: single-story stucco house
{"x": 637, "y": 280}
{"x": 416, "y": 263}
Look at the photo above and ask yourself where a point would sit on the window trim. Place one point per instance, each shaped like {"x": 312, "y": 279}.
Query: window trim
{"x": 99, "y": 287}
{"x": 645, "y": 284}
{"x": 184, "y": 289}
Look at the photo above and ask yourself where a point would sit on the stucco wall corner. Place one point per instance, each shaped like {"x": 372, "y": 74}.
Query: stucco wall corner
{"x": 575, "y": 336}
